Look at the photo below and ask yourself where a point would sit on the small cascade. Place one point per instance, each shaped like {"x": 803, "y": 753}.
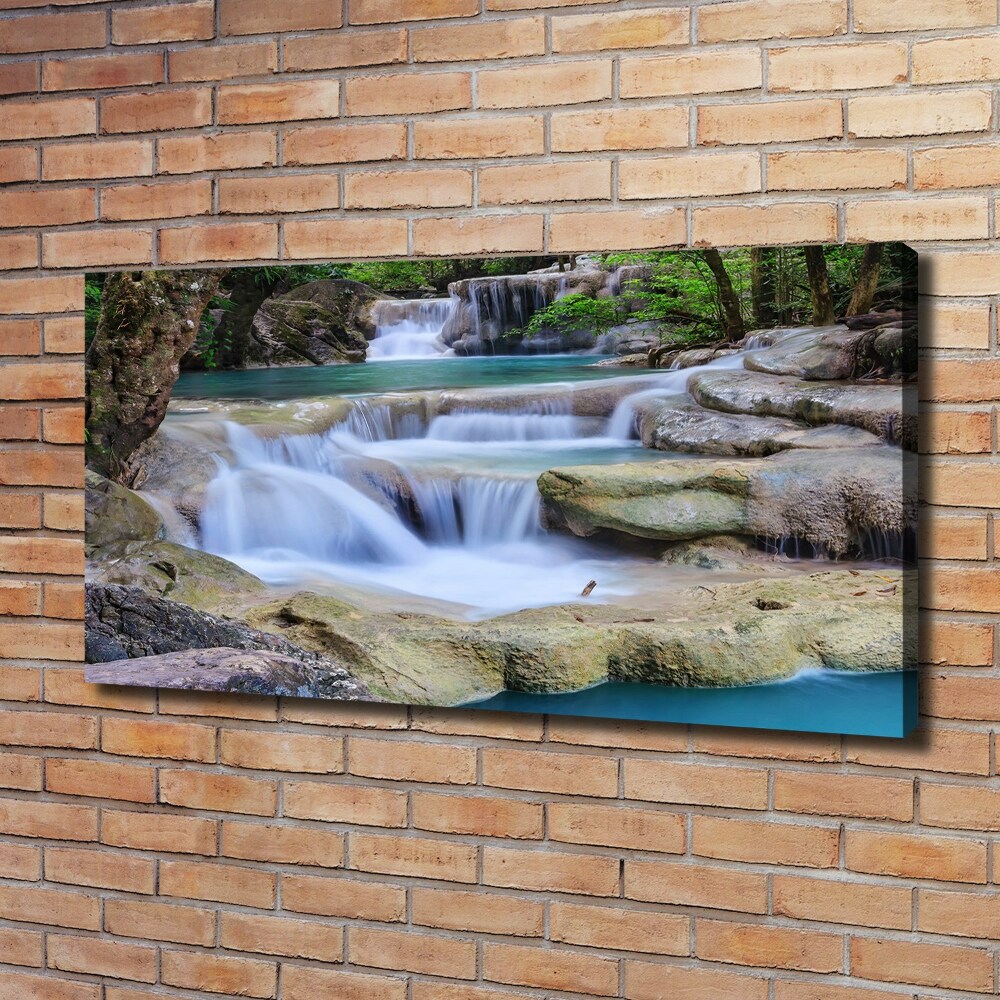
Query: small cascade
{"x": 866, "y": 544}
{"x": 409, "y": 328}
{"x": 548, "y": 419}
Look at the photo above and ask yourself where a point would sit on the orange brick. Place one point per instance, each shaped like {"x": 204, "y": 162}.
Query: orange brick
{"x": 21, "y": 772}
{"x": 348, "y": 898}
{"x": 116, "y": 247}
{"x": 766, "y": 843}
{"x": 774, "y": 121}
{"x": 300, "y": 982}
{"x": 67, "y": 687}
{"x": 45, "y": 467}
{"x": 628, "y": 229}
{"x": 72, "y": 161}
{"x": 137, "y": 69}
{"x": 221, "y": 241}
{"x": 223, "y": 705}
{"x": 965, "y": 914}
{"x": 282, "y": 844}
{"x": 901, "y": 15}
{"x": 31, "y": 987}
{"x": 550, "y": 968}
{"x": 18, "y": 163}
{"x": 469, "y": 138}
{"x": 253, "y": 17}
{"x": 101, "y": 869}
{"x": 337, "y": 51}
{"x": 21, "y": 336}
{"x": 908, "y": 855}
{"x": 20, "y": 683}
{"x": 39, "y": 295}
{"x": 843, "y": 795}
{"x": 701, "y": 885}
{"x": 19, "y": 78}
{"x": 156, "y": 111}
{"x": 21, "y": 947}
{"x": 478, "y": 912}
{"x": 226, "y": 151}
{"x": 295, "y": 193}
{"x": 380, "y": 11}
{"x": 480, "y": 42}
{"x": 156, "y": 201}
{"x": 173, "y": 740}
{"x": 961, "y": 807}
{"x": 337, "y": 803}
{"x": 562, "y": 773}
{"x": 836, "y": 170}
{"x": 966, "y": 589}
{"x": 18, "y": 423}
{"x": 768, "y": 947}
{"x": 217, "y": 883}
{"x": 550, "y": 871}
{"x": 620, "y": 929}
{"x": 99, "y": 779}
{"x": 278, "y": 102}
{"x": 943, "y": 167}
{"x": 785, "y": 223}
{"x": 49, "y": 32}
{"x": 622, "y": 128}
{"x": 218, "y": 792}
{"x": 408, "y": 189}
{"x": 41, "y": 207}
{"x": 922, "y": 963}
{"x": 537, "y": 85}
{"x": 956, "y": 60}
{"x": 18, "y": 251}
{"x": 36, "y": 906}
{"x": 64, "y": 601}
{"x": 491, "y": 725}
{"x": 20, "y": 510}
{"x": 943, "y": 219}
{"x": 718, "y": 72}
{"x": 98, "y": 957}
{"x": 408, "y": 94}
{"x": 223, "y": 62}
{"x": 65, "y": 335}
{"x": 178, "y": 22}
{"x": 626, "y": 30}
{"x": 419, "y": 857}
{"x": 21, "y": 861}
{"x": 282, "y": 751}
{"x": 63, "y": 425}
{"x": 64, "y": 512}
{"x": 345, "y": 143}
{"x": 692, "y": 784}
{"x": 43, "y": 119}
{"x": 646, "y": 981}
{"x": 483, "y": 235}
{"x": 281, "y": 936}
{"x": 477, "y": 815}
{"x": 411, "y": 952}
{"x": 752, "y": 19}
{"x": 959, "y": 537}
{"x": 149, "y": 831}
{"x": 919, "y": 114}
{"x": 545, "y": 182}
{"x": 957, "y": 697}
{"x": 936, "y": 750}
{"x": 243, "y": 977}
{"x": 791, "y": 990}
{"x": 838, "y": 902}
{"x": 958, "y": 643}
{"x": 338, "y": 238}
{"x": 836, "y": 67}
{"x": 48, "y": 729}
{"x": 160, "y": 922}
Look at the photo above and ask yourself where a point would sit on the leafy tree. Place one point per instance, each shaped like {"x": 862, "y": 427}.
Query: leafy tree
{"x": 819, "y": 286}
{"x": 576, "y": 312}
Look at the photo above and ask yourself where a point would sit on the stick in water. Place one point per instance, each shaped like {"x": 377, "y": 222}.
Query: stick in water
{"x": 586, "y": 590}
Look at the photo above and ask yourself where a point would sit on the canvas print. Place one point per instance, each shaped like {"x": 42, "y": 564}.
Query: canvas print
{"x": 670, "y": 486}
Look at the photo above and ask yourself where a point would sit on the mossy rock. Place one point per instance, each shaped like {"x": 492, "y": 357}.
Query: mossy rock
{"x": 117, "y": 514}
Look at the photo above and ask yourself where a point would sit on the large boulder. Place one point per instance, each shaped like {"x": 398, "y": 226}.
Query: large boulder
{"x": 117, "y": 514}
{"x": 154, "y": 642}
{"x": 676, "y": 423}
{"x": 888, "y": 411}
{"x": 831, "y": 498}
{"x": 167, "y": 569}
{"x": 320, "y": 323}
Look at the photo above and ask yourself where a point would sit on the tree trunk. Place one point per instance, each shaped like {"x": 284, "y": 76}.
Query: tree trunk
{"x": 149, "y": 320}
{"x": 762, "y": 286}
{"x": 819, "y": 287}
{"x": 864, "y": 289}
{"x": 732, "y": 315}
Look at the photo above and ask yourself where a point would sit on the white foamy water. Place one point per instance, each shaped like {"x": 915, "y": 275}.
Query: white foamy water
{"x": 409, "y": 328}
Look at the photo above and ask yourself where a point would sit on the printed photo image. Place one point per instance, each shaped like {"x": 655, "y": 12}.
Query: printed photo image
{"x": 659, "y": 486}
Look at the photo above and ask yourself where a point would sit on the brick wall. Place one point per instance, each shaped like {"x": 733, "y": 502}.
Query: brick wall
{"x": 186, "y": 846}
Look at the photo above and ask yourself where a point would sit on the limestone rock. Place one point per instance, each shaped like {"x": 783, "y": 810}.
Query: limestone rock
{"x": 116, "y": 514}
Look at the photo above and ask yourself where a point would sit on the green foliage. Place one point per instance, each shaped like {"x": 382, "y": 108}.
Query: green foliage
{"x": 575, "y": 312}
{"x": 92, "y": 290}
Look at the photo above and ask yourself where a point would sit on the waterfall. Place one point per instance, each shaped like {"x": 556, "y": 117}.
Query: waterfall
{"x": 409, "y": 328}
{"x": 548, "y": 419}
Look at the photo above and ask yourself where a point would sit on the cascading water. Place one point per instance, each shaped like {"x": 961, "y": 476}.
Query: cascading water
{"x": 409, "y": 328}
